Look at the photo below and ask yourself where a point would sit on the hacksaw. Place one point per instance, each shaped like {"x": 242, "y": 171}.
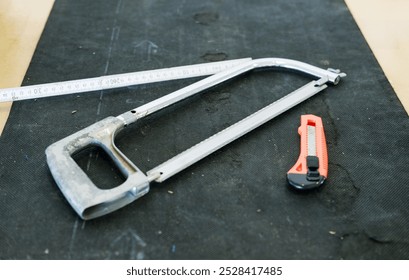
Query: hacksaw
{"x": 89, "y": 201}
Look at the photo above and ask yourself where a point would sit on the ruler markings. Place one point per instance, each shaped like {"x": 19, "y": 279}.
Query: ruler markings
{"x": 116, "y": 81}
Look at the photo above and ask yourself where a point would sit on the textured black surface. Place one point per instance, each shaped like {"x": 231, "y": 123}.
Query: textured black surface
{"x": 235, "y": 204}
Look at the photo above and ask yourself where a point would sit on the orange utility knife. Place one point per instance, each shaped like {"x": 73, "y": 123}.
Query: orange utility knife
{"x": 311, "y": 168}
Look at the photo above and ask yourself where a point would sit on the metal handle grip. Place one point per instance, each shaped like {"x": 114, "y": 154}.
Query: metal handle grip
{"x": 85, "y": 197}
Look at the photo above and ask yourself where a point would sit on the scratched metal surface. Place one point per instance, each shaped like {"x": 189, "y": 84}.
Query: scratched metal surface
{"x": 234, "y": 204}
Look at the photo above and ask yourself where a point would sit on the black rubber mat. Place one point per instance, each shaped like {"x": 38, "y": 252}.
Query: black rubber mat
{"x": 234, "y": 204}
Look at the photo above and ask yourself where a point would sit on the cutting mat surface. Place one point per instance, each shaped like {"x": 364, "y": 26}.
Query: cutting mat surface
{"x": 234, "y": 204}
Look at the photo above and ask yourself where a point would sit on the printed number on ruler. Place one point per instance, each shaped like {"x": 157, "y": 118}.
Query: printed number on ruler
{"x": 116, "y": 81}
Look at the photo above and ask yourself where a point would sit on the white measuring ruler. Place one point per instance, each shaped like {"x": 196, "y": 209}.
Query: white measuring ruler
{"x": 116, "y": 81}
